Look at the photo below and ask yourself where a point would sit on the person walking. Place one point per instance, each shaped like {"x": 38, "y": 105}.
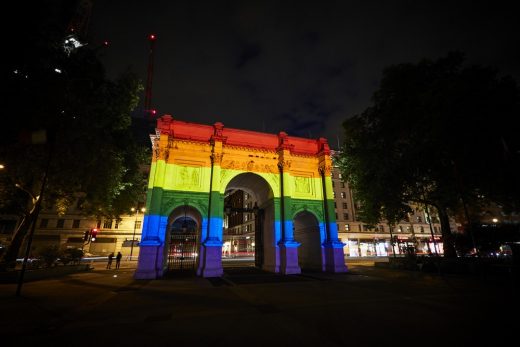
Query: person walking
{"x": 118, "y": 259}
{"x": 110, "y": 257}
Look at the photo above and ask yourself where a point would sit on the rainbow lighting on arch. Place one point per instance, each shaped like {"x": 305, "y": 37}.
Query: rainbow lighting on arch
{"x": 193, "y": 164}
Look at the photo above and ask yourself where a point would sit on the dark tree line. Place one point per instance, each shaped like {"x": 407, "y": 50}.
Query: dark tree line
{"x": 441, "y": 134}
{"x": 66, "y": 122}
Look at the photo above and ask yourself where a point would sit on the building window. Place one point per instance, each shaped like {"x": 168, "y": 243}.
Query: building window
{"x": 343, "y": 195}
{"x": 419, "y": 219}
{"x": 342, "y": 184}
{"x": 344, "y": 205}
{"x": 340, "y": 176}
{"x": 116, "y": 226}
{"x": 381, "y": 228}
{"x": 332, "y": 184}
{"x": 60, "y": 223}
{"x": 345, "y": 215}
{"x": 335, "y": 205}
{"x": 421, "y": 229}
{"x": 137, "y": 224}
{"x": 75, "y": 223}
{"x": 107, "y": 224}
{"x": 347, "y": 227}
{"x": 44, "y": 222}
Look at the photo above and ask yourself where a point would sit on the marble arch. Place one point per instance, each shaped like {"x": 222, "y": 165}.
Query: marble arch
{"x": 194, "y": 163}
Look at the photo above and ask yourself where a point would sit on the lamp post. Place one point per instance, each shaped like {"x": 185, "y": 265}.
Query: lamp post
{"x": 135, "y": 223}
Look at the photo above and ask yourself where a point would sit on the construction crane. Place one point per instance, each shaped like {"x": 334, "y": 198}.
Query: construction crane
{"x": 77, "y": 29}
{"x": 149, "y": 112}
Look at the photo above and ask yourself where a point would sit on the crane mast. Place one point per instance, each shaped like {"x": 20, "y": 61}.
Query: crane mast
{"x": 148, "y": 110}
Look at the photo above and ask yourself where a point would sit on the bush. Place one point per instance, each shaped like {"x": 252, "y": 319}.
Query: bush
{"x": 69, "y": 255}
{"x": 49, "y": 255}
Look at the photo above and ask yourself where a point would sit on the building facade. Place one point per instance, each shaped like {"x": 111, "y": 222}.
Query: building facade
{"x": 73, "y": 229}
{"x": 362, "y": 240}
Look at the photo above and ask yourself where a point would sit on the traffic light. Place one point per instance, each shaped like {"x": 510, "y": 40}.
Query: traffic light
{"x": 86, "y": 235}
{"x": 94, "y": 232}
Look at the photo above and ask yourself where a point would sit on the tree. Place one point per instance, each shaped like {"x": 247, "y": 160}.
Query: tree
{"x": 439, "y": 133}
{"x": 85, "y": 147}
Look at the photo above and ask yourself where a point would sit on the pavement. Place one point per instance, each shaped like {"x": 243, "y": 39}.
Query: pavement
{"x": 368, "y": 306}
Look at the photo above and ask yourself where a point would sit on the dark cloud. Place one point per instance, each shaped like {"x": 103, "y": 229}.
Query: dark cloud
{"x": 302, "y": 68}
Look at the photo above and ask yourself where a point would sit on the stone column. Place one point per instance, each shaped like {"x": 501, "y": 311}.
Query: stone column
{"x": 210, "y": 262}
{"x": 333, "y": 254}
{"x": 288, "y": 247}
{"x": 151, "y": 255}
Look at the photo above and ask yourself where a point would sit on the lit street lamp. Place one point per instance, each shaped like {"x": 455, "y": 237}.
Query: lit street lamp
{"x": 135, "y": 223}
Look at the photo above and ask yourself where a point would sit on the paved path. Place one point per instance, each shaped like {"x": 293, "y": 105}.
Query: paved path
{"x": 369, "y": 306}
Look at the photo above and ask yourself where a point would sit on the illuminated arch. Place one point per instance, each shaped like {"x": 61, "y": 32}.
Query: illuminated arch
{"x": 194, "y": 164}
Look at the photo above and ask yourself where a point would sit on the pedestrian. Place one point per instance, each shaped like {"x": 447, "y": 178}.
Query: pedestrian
{"x": 110, "y": 257}
{"x": 118, "y": 259}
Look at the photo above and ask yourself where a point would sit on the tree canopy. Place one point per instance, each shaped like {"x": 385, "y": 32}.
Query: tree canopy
{"x": 67, "y": 119}
{"x": 438, "y": 133}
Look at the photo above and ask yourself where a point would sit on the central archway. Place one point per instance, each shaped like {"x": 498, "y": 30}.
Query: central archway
{"x": 249, "y": 220}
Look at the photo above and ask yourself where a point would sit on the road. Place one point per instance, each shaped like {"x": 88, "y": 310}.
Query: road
{"x": 368, "y": 306}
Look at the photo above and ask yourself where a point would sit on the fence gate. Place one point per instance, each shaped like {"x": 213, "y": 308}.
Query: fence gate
{"x": 183, "y": 252}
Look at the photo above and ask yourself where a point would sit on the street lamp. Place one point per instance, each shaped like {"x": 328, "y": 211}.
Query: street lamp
{"x": 135, "y": 223}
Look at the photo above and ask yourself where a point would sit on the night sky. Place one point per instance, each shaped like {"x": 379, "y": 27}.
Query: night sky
{"x": 302, "y": 67}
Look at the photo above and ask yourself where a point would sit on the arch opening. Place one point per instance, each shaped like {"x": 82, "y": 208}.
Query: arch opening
{"x": 248, "y": 233}
{"x": 184, "y": 229}
{"x": 307, "y": 233}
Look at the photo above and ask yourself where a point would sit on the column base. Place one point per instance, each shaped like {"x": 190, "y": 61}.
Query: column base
{"x": 150, "y": 263}
{"x": 334, "y": 257}
{"x": 210, "y": 263}
{"x": 289, "y": 258}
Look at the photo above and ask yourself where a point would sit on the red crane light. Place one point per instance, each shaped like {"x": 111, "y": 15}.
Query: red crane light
{"x": 152, "y": 37}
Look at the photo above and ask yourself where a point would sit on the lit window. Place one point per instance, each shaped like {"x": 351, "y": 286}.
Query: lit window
{"x": 343, "y": 195}
{"x": 347, "y": 227}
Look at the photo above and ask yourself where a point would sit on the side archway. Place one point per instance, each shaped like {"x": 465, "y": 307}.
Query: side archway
{"x": 183, "y": 239}
{"x": 308, "y": 233}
